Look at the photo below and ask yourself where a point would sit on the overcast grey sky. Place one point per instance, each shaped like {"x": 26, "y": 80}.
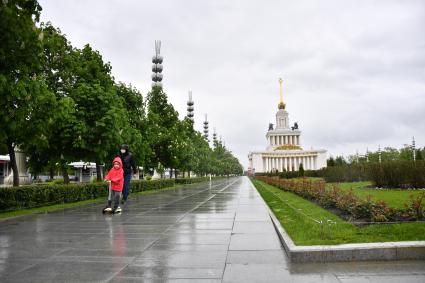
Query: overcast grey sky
{"x": 353, "y": 71}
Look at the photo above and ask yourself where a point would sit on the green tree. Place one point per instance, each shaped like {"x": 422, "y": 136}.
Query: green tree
{"x": 331, "y": 162}
{"x": 25, "y": 98}
{"x": 101, "y": 118}
{"x": 161, "y": 130}
{"x": 57, "y": 72}
{"x": 135, "y": 135}
{"x": 301, "y": 170}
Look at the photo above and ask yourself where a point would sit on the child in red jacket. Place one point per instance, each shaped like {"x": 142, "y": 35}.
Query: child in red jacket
{"x": 116, "y": 178}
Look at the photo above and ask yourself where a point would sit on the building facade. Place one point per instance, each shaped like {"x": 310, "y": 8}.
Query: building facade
{"x": 284, "y": 151}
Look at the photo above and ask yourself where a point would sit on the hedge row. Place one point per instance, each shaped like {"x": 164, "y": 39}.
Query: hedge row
{"x": 41, "y": 195}
{"x": 348, "y": 202}
{"x": 400, "y": 174}
{"x": 392, "y": 174}
{"x": 346, "y": 173}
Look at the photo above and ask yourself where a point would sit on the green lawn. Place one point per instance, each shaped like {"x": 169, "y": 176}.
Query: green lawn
{"x": 299, "y": 218}
{"x": 393, "y": 197}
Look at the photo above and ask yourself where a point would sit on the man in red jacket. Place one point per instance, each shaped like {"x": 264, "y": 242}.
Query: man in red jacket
{"x": 116, "y": 177}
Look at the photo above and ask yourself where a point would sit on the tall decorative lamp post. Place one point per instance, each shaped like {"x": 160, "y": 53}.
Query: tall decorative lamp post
{"x": 414, "y": 149}
{"x": 157, "y": 66}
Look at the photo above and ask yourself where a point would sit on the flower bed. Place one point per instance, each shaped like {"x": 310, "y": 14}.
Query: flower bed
{"x": 348, "y": 203}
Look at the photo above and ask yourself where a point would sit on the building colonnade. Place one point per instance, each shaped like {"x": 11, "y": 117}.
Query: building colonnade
{"x": 289, "y": 163}
{"x": 284, "y": 139}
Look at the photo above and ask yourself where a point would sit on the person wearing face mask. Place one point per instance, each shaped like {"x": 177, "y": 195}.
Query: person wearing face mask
{"x": 129, "y": 167}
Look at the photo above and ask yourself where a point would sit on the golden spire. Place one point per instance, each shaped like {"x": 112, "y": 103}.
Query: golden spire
{"x": 281, "y": 103}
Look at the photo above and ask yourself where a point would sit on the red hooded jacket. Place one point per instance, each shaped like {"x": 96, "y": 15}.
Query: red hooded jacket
{"x": 116, "y": 176}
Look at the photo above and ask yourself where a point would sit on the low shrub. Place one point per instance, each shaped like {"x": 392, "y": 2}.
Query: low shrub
{"x": 37, "y": 195}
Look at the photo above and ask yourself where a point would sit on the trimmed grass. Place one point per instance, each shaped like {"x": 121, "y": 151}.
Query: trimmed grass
{"x": 393, "y": 197}
{"x": 57, "y": 207}
{"x": 300, "y": 219}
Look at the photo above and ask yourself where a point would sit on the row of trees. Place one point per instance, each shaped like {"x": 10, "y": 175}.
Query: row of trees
{"x": 60, "y": 103}
{"x": 386, "y": 155}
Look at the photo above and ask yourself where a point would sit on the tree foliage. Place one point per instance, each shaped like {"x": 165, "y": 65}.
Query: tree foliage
{"x": 77, "y": 111}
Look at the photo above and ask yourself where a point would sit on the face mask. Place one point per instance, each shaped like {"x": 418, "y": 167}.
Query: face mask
{"x": 122, "y": 150}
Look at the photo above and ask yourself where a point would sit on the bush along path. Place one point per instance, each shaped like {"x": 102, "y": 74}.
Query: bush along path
{"x": 32, "y": 196}
{"x": 347, "y": 205}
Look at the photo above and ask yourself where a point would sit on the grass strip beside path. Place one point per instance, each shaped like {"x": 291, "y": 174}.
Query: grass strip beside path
{"x": 300, "y": 219}
{"x": 57, "y": 207}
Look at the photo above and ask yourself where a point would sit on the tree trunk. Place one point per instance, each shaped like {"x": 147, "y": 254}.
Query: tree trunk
{"x": 175, "y": 173}
{"x": 184, "y": 173}
{"x": 98, "y": 172}
{"x": 11, "y": 150}
{"x": 171, "y": 173}
{"x": 188, "y": 173}
{"x": 51, "y": 172}
{"x": 65, "y": 174}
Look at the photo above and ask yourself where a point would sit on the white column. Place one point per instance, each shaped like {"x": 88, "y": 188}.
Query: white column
{"x": 290, "y": 163}
{"x": 280, "y": 140}
{"x": 315, "y": 162}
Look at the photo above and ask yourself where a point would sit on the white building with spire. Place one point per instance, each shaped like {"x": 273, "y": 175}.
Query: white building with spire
{"x": 284, "y": 151}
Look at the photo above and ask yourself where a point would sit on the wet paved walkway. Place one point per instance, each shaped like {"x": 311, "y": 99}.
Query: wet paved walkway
{"x": 203, "y": 233}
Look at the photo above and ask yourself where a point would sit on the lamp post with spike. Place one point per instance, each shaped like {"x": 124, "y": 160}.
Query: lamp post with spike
{"x": 206, "y": 126}
{"x": 215, "y": 138}
{"x": 190, "y": 107}
{"x": 414, "y": 149}
{"x": 157, "y": 66}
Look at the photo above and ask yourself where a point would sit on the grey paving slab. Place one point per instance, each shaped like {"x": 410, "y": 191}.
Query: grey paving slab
{"x": 197, "y": 233}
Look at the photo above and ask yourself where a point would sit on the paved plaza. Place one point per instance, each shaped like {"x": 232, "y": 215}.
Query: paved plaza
{"x": 218, "y": 232}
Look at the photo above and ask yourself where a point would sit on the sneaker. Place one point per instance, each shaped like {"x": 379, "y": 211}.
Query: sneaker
{"x": 108, "y": 209}
{"x": 117, "y": 210}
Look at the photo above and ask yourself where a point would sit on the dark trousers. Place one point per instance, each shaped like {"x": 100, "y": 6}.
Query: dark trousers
{"x": 114, "y": 198}
{"x": 126, "y": 189}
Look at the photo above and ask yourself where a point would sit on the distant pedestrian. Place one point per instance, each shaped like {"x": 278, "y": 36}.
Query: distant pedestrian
{"x": 129, "y": 167}
{"x": 116, "y": 177}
